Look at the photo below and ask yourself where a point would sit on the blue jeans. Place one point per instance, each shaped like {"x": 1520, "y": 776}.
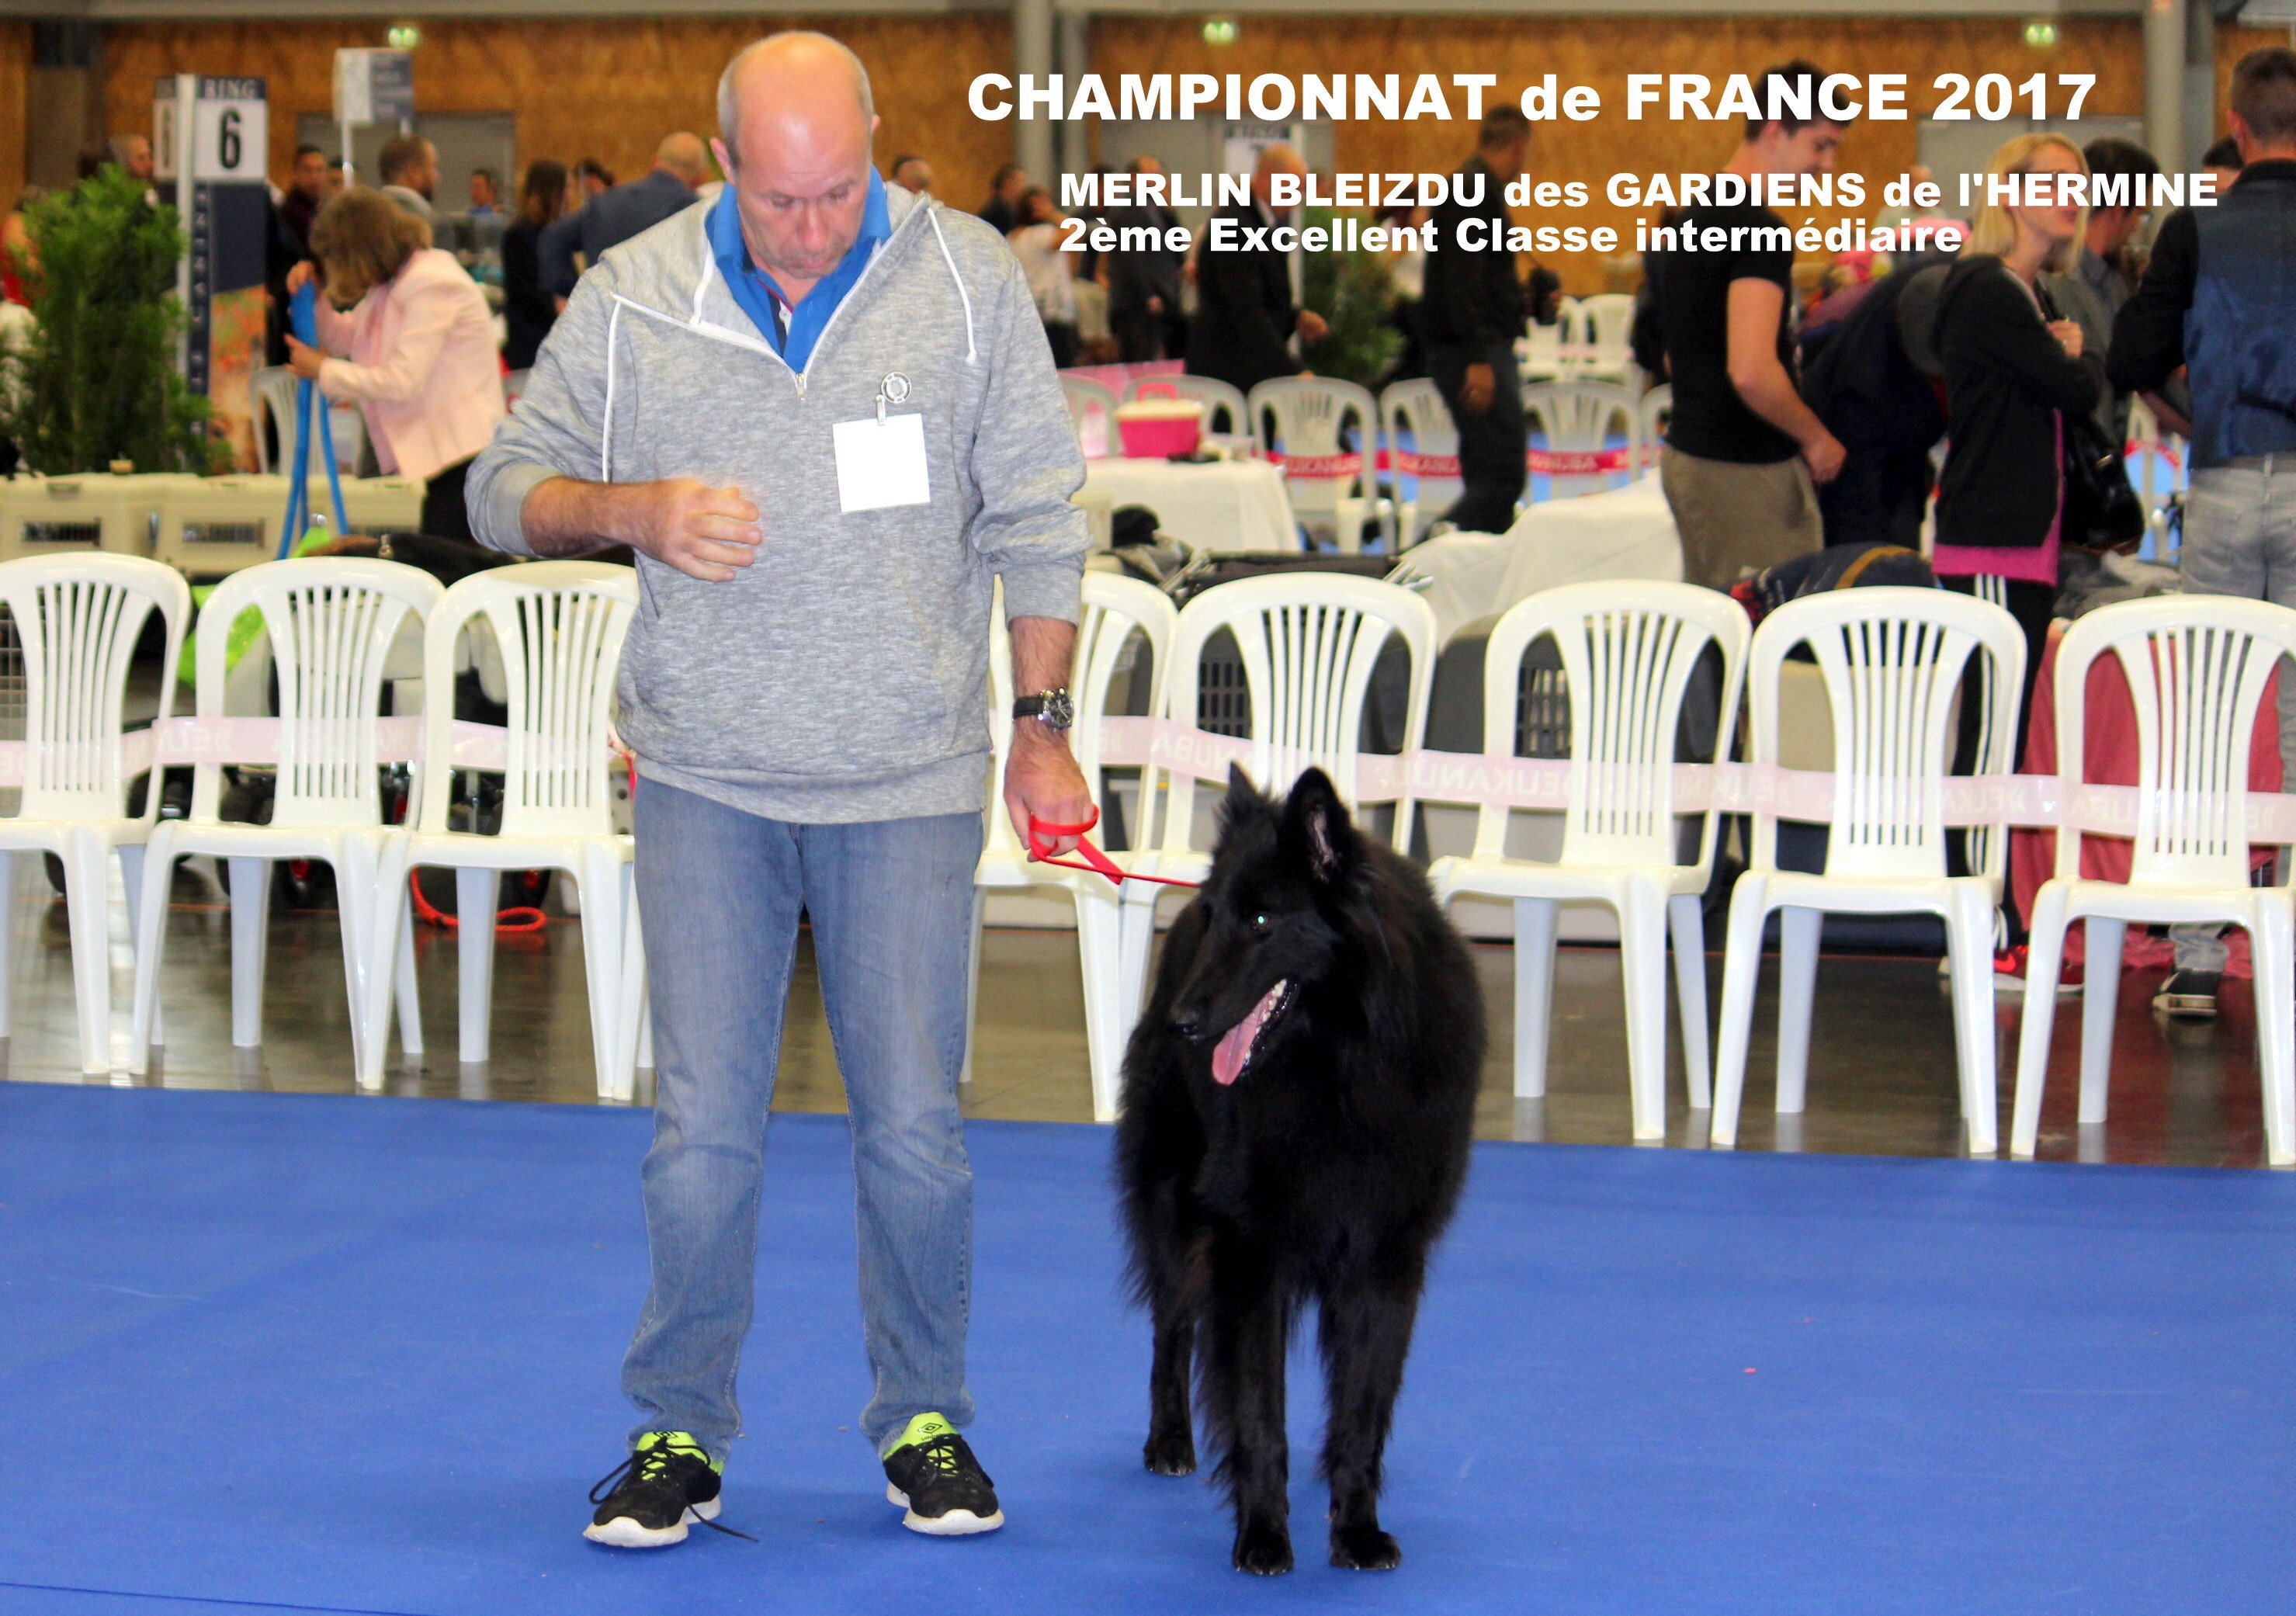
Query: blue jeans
{"x": 891, "y": 907}
{"x": 2240, "y": 539}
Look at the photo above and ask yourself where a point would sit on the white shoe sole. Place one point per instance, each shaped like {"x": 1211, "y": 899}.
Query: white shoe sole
{"x": 622, "y": 1532}
{"x": 956, "y": 1524}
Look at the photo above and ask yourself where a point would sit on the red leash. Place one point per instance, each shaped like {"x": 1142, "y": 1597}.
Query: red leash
{"x": 1042, "y": 834}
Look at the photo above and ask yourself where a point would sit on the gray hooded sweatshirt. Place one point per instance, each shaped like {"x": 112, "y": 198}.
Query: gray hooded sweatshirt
{"x": 843, "y": 676}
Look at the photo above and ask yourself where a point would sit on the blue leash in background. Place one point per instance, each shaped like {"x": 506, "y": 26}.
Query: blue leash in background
{"x": 303, "y": 316}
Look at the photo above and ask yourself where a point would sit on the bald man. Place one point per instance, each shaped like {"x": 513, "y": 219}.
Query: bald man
{"x": 833, "y": 426}
{"x": 681, "y": 167}
{"x": 1248, "y": 298}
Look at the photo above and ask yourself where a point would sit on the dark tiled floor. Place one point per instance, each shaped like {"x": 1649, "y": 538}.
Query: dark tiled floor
{"x": 1882, "y": 1076}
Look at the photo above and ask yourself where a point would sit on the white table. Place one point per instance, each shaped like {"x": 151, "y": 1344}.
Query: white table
{"x": 1625, "y": 533}
{"x": 1223, "y": 505}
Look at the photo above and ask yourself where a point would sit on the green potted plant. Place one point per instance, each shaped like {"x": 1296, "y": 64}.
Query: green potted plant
{"x": 1356, "y": 295}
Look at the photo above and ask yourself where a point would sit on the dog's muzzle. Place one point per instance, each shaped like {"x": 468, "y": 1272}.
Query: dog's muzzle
{"x": 1233, "y": 1051}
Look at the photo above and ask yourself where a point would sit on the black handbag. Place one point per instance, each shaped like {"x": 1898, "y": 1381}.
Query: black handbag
{"x": 2102, "y": 510}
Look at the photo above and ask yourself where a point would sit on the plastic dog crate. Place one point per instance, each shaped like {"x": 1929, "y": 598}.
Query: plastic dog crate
{"x": 99, "y": 511}
{"x": 218, "y": 525}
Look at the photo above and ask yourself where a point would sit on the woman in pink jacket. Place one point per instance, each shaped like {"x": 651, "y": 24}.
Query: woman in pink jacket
{"x": 408, "y": 337}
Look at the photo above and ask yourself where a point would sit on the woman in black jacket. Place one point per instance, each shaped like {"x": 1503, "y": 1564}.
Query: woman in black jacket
{"x": 2012, "y": 371}
{"x": 529, "y": 310}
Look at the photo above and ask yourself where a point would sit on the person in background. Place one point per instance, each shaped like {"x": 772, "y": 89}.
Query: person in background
{"x": 408, "y": 167}
{"x": 2221, "y": 162}
{"x": 1247, "y": 302}
{"x": 2013, "y": 370}
{"x": 2218, "y": 300}
{"x": 334, "y": 176}
{"x": 132, "y": 152}
{"x": 406, "y": 334}
{"x": 592, "y": 178}
{"x": 1143, "y": 283}
{"x": 1469, "y": 319}
{"x": 484, "y": 199}
{"x": 528, "y": 308}
{"x": 1743, "y": 453}
{"x": 306, "y": 192}
{"x": 912, "y": 175}
{"x": 1005, "y": 190}
{"x": 1036, "y": 241}
{"x": 19, "y": 257}
{"x": 2091, "y": 290}
{"x": 608, "y": 219}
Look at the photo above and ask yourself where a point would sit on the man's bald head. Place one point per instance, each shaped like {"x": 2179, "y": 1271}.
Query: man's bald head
{"x": 684, "y": 156}
{"x": 794, "y": 78}
{"x": 1273, "y": 160}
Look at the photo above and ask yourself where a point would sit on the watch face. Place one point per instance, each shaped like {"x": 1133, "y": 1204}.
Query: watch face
{"x": 1059, "y": 711}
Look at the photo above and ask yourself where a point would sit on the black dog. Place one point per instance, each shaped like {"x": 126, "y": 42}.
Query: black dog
{"x": 1298, "y": 1103}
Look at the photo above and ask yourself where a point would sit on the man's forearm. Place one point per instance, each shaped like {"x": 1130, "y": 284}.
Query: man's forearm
{"x": 1043, "y": 649}
{"x": 1769, "y": 392}
{"x": 565, "y": 516}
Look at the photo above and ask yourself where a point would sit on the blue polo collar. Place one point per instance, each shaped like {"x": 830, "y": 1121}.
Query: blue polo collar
{"x": 792, "y": 330}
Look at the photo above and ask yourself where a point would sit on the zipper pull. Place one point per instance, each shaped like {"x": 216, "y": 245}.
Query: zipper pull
{"x": 801, "y": 384}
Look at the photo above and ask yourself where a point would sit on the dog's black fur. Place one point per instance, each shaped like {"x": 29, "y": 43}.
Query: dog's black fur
{"x": 1325, "y": 1171}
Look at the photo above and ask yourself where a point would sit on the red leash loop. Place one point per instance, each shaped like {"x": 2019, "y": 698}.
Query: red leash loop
{"x": 1043, "y": 833}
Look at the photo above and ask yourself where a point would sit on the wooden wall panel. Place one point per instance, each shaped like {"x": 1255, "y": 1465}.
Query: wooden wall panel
{"x": 1598, "y": 51}
{"x": 603, "y": 88}
{"x": 16, "y": 81}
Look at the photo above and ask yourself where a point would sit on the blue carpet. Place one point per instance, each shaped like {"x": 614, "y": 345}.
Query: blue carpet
{"x": 267, "y": 1352}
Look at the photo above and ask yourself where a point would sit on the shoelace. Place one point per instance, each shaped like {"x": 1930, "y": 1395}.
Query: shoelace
{"x": 654, "y": 1465}
{"x": 940, "y": 1453}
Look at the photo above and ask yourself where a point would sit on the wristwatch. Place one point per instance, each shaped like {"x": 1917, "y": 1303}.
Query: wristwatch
{"x": 1053, "y": 710}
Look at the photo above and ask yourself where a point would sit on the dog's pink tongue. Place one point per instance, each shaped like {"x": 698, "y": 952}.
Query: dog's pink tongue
{"x": 1234, "y": 1048}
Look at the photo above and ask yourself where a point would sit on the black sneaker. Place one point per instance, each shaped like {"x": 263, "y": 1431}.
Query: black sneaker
{"x": 933, "y": 1475}
{"x": 2191, "y": 993}
{"x": 668, "y": 1481}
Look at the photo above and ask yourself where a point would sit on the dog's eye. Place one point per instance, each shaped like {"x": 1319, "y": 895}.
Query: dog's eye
{"x": 1259, "y": 922}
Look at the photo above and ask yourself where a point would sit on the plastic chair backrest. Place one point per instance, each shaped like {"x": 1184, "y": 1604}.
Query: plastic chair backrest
{"x": 1629, "y": 650}
{"x": 1221, "y": 400}
{"x": 1891, "y": 660}
{"x": 1568, "y": 337}
{"x": 1307, "y": 417}
{"x": 1114, "y": 607}
{"x": 76, "y": 619}
{"x": 271, "y": 396}
{"x": 1579, "y": 418}
{"x": 1086, "y": 397}
{"x": 331, "y": 620}
{"x": 2197, "y": 666}
{"x": 1543, "y": 355}
{"x": 1414, "y": 410}
{"x": 559, "y": 628}
{"x": 1309, "y": 643}
{"x": 1606, "y": 327}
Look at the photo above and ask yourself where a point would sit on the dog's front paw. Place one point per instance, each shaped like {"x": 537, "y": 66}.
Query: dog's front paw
{"x": 1263, "y": 1550}
{"x": 1170, "y": 1453}
{"x": 1365, "y": 1548}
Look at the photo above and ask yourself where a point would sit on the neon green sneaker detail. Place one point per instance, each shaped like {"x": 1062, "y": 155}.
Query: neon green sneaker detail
{"x": 925, "y": 1428}
{"x": 679, "y": 1442}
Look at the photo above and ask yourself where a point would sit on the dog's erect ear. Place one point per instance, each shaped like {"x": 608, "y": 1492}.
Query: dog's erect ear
{"x": 1319, "y": 827}
{"x": 1242, "y": 800}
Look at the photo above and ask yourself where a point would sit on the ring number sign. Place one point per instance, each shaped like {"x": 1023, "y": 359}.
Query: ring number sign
{"x": 231, "y": 131}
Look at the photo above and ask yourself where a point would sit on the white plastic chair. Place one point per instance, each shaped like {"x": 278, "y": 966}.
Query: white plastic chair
{"x": 1085, "y": 397}
{"x": 1114, "y": 608}
{"x": 1891, "y": 660}
{"x": 560, "y": 625}
{"x": 1415, "y": 410}
{"x": 271, "y": 400}
{"x": 1309, "y": 643}
{"x": 1606, "y": 325}
{"x": 1579, "y": 418}
{"x": 1225, "y": 410}
{"x": 1542, "y": 348}
{"x": 1629, "y": 650}
{"x": 332, "y": 622}
{"x": 2198, "y": 666}
{"x": 1301, "y": 419}
{"x": 78, "y": 618}
{"x": 1656, "y": 413}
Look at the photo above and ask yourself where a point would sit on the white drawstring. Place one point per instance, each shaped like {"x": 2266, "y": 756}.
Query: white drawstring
{"x": 606, "y": 432}
{"x": 932, "y": 215}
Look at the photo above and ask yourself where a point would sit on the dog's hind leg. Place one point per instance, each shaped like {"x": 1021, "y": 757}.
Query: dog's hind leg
{"x": 1245, "y": 1328}
{"x": 1365, "y": 1332}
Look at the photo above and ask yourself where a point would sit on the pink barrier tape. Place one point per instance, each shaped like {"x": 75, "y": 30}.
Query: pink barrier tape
{"x": 1544, "y": 785}
{"x": 1319, "y": 468}
{"x": 194, "y": 741}
{"x": 1550, "y": 462}
{"x": 1409, "y": 465}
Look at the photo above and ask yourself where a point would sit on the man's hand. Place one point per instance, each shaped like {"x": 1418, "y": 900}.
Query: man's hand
{"x": 1042, "y": 781}
{"x": 1824, "y": 455}
{"x": 704, "y": 532}
{"x": 1477, "y": 390}
{"x": 1311, "y": 326}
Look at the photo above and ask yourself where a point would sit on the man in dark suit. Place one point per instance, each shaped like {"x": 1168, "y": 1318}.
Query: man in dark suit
{"x": 1469, "y": 317}
{"x": 1247, "y": 311}
{"x": 612, "y": 217}
{"x": 1143, "y": 286}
